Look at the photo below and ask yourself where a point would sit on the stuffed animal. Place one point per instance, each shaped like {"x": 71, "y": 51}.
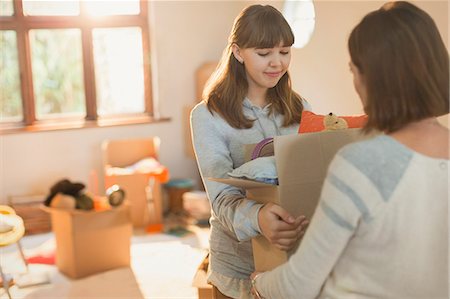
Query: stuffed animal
{"x": 333, "y": 122}
{"x": 62, "y": 201}
{"x": 63, "y": 190}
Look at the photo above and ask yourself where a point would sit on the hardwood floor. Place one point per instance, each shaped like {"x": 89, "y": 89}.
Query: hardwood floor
{"x": 162, "y": 266}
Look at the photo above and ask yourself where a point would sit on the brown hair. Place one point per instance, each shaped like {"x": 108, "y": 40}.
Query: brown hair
{"x": 404, "y": 65}
{"x": 257, "y": 26}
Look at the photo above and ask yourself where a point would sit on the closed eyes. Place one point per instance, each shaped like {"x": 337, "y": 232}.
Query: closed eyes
{"x": 263, "y": 54}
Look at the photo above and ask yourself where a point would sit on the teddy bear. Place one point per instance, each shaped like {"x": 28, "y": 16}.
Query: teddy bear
{"x": 333, "y": 122}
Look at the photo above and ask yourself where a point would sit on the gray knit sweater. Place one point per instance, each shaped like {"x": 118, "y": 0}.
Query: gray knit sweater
{"x": 219, "y": 149}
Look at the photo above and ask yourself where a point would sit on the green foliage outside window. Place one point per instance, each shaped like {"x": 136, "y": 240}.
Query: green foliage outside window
{"x": 10, "y": 98}
{"x": 57, "y": 72}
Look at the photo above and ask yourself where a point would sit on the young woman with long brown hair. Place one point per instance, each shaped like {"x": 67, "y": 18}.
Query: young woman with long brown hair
{"x": 249, "y": 98}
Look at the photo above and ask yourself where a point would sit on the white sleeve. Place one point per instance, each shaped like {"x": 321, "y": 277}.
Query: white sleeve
{"x": 333, "y": 224}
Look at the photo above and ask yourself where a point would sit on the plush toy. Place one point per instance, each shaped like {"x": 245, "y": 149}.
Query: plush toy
{"x": 62, "y": 201}
{"x": 63, "y": 190}
{"x": 333, "y": 122}
{"x": 311, "y": 122}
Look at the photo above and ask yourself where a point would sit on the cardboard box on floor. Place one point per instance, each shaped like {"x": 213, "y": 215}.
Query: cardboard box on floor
{"x": 302, "y": 162}
{"x": 123, "y": 153}
{"x": 204, "y": 289}
{"x": 144, "y": 210}
{"x": 89, "y": 242}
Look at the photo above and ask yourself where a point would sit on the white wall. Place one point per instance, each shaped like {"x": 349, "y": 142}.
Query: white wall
{"x": 320, "y": 71}
{"x": 186, "y": 34}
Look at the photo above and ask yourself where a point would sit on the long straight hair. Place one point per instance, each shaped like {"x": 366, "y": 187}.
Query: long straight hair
{"x": 257, "y": 26}
{"x": 404, "y": 65}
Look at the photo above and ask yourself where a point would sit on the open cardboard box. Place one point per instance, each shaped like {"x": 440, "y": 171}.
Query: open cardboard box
{"x": 200, "y": 282}
{"x": 88, "y": 242}
{"x": 302, "y": 162}
{"x": 145, "y": 205}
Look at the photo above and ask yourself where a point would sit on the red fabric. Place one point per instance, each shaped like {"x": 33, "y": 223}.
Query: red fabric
{"x": 312, "y": 122}
{"x": 48, "y": 259}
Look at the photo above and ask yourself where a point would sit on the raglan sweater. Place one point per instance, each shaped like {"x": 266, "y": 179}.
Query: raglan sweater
{"x": 219, "y": 148}
{"x": 380, "y": 230}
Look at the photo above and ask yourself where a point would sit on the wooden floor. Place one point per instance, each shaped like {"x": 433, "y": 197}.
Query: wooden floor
{"x": 162, "y": 266}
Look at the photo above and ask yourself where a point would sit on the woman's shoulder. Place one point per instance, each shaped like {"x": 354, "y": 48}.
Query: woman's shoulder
{"x": 200, "y": 108}
{"x": 378, "y": 148}
{"x": 201, "y": 111}
{"x": 382, "y": 160}
{"x": 201, "y": 115}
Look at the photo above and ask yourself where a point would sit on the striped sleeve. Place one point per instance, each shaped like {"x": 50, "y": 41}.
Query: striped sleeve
{"x": 341, "y": 208}
{"x": 341, "y": 200}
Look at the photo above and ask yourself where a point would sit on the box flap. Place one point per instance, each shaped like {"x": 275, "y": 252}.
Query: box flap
{"x": 82, "y": 219}
{"x": 302, "y": 162}
{"x": 242, "y": 183}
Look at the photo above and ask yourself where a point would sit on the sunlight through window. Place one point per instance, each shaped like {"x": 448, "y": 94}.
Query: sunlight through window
{"x": 57, "y": 72}
{"x": 6, "y": 8}
{"x": 51, "y": 8}
{"x": 107, "y": 8}
{"x": 10, "y": 98}
{"x": 119, "y": 69}
{"x": 74, "y": 63}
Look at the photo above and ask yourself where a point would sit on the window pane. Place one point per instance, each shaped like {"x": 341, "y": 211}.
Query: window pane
{"x": 10, "y": 97}
{"x": 119, "y": 70}
{"x": 112, "y": 7}
{"x": 51, "y": 7}
{"x": 6, "y": 8}
{"x": 57, "y": 72}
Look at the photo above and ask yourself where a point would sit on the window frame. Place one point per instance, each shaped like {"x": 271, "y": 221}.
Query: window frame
{"x": 22, "y": 24}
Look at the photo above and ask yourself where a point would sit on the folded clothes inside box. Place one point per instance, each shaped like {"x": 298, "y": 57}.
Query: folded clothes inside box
{"x": 261, "y": 169}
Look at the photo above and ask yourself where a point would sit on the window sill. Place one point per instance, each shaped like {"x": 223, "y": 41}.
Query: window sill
{"x": 79, "y": 124}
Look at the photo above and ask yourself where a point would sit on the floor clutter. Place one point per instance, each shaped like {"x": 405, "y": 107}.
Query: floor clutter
{"x": 161, "y": 266}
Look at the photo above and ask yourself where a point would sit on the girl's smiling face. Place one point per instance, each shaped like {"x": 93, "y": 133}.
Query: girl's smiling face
{"x": 264, "y": 66}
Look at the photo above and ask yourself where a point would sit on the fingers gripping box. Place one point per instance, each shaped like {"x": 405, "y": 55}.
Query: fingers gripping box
{"x": 302, "y": 162}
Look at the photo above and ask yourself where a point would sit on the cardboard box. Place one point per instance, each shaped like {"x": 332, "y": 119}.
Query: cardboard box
{"x": 302, "y": 162}
{"x": 145, "y": 208}
{"x": 88, "y": 242}
{"x": 146, "y": 205}
{"x": 204, "y": 289}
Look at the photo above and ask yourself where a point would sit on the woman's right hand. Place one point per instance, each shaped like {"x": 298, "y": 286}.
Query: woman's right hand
{"x": 279, "y": 227}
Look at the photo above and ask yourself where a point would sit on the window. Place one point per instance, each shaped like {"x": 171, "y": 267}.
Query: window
{"x": 68, "y": 63}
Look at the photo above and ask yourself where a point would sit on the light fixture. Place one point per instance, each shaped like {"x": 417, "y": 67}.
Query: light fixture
{"x": 301, "y": 16}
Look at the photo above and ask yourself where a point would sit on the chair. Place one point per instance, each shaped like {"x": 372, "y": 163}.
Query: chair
{"x": 141, "y": 191}
{"x": 12, "y": 230}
